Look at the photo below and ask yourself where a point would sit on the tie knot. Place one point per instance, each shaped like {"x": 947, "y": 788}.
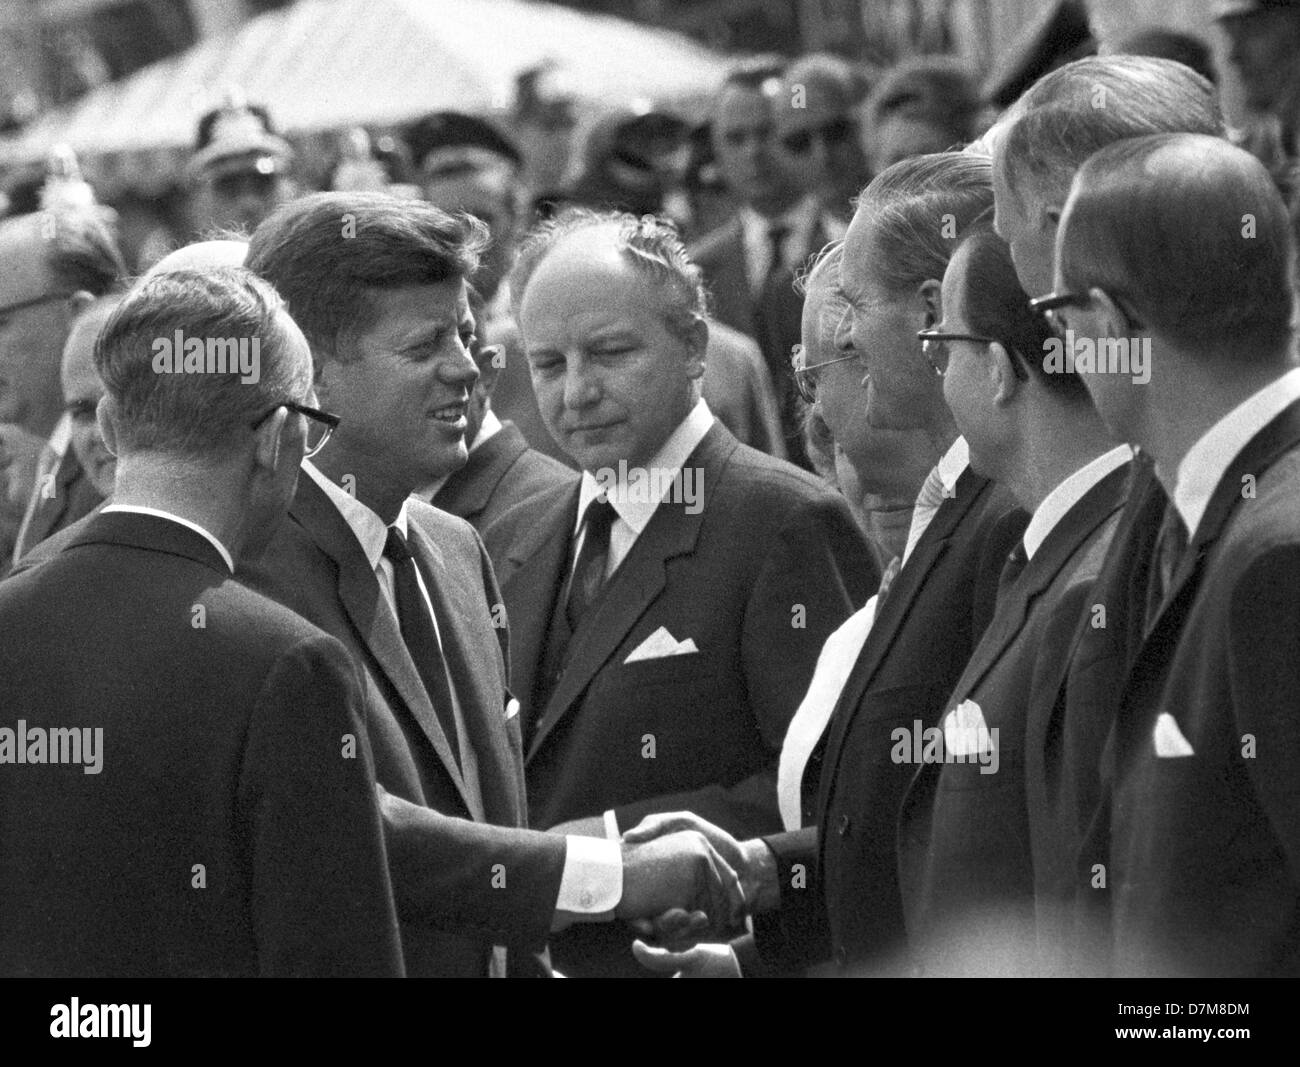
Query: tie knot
{"x": 395, "y": 547}
{"x": 600, "y": 514}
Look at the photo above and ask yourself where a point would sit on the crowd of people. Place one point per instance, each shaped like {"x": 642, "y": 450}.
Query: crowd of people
{"x": 896, "y": 575}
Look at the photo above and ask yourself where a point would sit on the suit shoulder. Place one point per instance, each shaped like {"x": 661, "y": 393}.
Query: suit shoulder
{"x": 442, "y": 526}
{"x": 756, "y": 472}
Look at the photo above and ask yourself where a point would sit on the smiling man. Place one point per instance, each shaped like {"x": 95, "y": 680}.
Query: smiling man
{"x": 378, "y": 286}
{"x": 660, "y": 642}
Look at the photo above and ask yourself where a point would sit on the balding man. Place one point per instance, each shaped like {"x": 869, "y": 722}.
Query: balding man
{"x": 195, "y": 794}
{"x": 1181, "y": 245}
{"x": 667, "y": 611}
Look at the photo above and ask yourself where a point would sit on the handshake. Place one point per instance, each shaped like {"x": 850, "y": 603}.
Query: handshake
{"x": 686, "y": 881}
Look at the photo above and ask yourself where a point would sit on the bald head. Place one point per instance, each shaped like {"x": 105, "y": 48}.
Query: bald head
{"x": 202, "y": 254}
{"x": 1192, "y": 232}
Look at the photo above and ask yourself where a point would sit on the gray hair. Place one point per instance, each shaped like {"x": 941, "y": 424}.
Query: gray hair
{"x": 651, "y": 245}
{"x": 1090, "y": 103}
{"x": 200, "y": 413}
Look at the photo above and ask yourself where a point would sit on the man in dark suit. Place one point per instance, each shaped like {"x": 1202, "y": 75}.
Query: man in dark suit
{"x": 667, "y": 612}
{"x": 829, "y": 890}
{"x": 750, "y": 261}
{"x": 966, "y": 865}
{"x": 409, "y": 590}
{"x": 197, "y": 797}
{"x": 1035, "y": 159}
{"x": 1199, "y": 840}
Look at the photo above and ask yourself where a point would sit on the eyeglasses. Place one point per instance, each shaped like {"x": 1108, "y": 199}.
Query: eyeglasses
{"x": 832, "y": 134}
{"x": 36, "y": 301}
{"x": 804, "y": 378}
{"x": 934, "y": 346}
{"x": 1049, "y": 307}
{"x": 320, "y": 426}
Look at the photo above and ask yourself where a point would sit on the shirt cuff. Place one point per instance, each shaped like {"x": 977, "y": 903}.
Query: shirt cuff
{"x": 592, "y": 882}
{"x": 611, "y": 826}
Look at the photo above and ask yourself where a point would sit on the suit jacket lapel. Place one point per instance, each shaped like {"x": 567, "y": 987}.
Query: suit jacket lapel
{"x": 536, "y": 563}
{"x": 1075, "y": 527}
{"x": 375, "y": 623}
{"x": 1278, "y": 437}
{"x": 469, "y": 489}
{"x": 908, "y": 583}
{"x": 635, "y": 585}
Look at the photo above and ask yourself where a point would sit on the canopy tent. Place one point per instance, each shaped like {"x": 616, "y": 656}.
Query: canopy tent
{"x": 328, "y": 64}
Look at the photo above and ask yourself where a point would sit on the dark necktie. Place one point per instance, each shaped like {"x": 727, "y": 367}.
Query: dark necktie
{"x": 1017, "y": 561}
{"x": 1171, "y": 544}
{"x": 421, "y": 638}
{"x": 776, "y": 237}
{"x": 589, "y": 570}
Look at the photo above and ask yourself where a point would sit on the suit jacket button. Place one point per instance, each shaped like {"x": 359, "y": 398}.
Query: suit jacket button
{"x": 843, "y": 827}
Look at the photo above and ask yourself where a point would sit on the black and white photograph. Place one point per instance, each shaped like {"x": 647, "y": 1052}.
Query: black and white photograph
{"x": 649, "y": 489}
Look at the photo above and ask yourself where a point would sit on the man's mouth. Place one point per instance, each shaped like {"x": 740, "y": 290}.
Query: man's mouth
{"x": 451, "y": 414}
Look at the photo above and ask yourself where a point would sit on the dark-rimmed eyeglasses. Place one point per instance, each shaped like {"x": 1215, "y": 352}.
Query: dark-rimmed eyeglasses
{"x": 320, "y": 424}
{"x": 934, "y": 346}
{"x": 1050, "y": 306}
{"x": 36, "y": 301}
{"x": 805, "y": 378}
{"x": 832, "y": 134}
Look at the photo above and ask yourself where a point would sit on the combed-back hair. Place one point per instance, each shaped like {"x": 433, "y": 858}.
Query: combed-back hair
{"x": 921, "y": 209}
{"x": 326, "y": 253}
{"x": 202, "y": 414}
{"x": 1072, "y": 112}
{"x": 650, "y": 243}
{"x": 80, "y": 250}
{"x": 1190, "y": 236}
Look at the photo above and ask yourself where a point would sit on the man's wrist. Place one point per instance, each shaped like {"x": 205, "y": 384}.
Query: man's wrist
{"x": 760, "y": 879}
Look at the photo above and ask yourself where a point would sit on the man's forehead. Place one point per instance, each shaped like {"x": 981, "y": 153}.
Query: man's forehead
{"x": 741, "y": 105}
{"x": 24, "y": 269}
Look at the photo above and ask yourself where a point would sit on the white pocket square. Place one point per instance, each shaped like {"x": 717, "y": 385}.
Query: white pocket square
{"x": 1170, "y": 742}
{"x": 965, "y": 733}
{"x": 660, "y": 644}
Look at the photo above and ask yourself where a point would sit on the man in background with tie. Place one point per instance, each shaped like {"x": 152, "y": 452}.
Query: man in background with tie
{"x": 750, "y": 262}
{"x": 378, "y": 286}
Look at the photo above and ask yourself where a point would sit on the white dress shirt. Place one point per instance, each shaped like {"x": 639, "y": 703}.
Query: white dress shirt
{"x": 800, "y": 223}
{"x": 592, "y": 880}
{"x": 207, "y": 535}
{"x": 840, "y": 653}
{"x": 1208, "y": 460}
{"x": 632, "y": 506}
{"x": 1068, "y": 493}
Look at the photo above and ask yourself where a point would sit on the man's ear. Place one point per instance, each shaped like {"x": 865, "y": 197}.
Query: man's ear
{"x": 930, "y": 298}
{"x": 271, "y": 448}
{"x": 698, "y": 340}
{"x": 1002, "y": 374}
{"x": 104, "y": 418}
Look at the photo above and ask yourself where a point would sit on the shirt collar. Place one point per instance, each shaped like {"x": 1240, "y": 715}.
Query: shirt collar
{"x": 368, "y": 528}
{"x": 1208, "y": 460}
{"x": 1068, "y": 493}
{"x": 799, "y": 221}
{"x": 488, "y": 429}
{"x": 207, "y": 535}
{"x": 953, "y": 465}
{"x": 627, "y": 491}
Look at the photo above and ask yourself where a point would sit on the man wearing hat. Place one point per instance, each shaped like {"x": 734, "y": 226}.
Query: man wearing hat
{"x": 239, "y": 168}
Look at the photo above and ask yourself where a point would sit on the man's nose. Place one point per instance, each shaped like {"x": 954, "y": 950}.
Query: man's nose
{"x": 581, "y": 387}
{"x": 458, "y": 369}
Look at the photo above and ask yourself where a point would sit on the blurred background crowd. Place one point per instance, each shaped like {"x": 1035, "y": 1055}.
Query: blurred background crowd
{"x": 167, "y": 120}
